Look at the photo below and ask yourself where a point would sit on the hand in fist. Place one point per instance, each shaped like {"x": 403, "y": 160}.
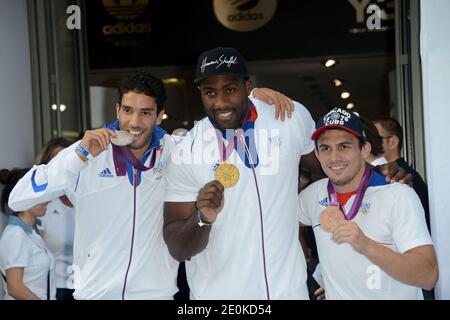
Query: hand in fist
{"x": 210, "y": 200}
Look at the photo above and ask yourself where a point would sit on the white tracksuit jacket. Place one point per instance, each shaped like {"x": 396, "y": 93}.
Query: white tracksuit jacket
{"x": 119, "y": 250}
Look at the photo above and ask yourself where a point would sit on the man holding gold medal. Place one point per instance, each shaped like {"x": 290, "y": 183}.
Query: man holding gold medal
{"x": 371, "y": 236}
{"x": 231, "y": 204}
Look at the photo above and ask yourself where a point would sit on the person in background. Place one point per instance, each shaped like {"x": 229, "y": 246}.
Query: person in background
{"x": 391, "y": 134}
{"x": 26, "y": 264}
{"x": 58, "y": 226}
{"x": 375, "y": 157}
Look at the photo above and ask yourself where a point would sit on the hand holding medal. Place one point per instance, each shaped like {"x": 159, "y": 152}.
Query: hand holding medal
{"x": 210, "y": 201}
{"x": 330, "y": 218}
{"x": 227, "y": 174}
{"x": 94, "y": 142}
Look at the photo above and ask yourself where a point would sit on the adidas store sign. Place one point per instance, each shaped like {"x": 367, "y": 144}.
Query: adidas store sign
{"x": 127, "y": 28}
{"x": 244, "y": 15}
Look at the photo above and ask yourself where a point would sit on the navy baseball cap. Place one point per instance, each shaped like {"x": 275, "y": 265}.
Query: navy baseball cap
{"x": 339, "y": 119}
{"x": 220, "y": 61}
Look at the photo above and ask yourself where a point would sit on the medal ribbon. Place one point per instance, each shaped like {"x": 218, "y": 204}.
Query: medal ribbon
{"x": 120, "y": 153}
{"x": 333, "y": 200}
{"x": 237, "y": 134}
{"x": 228, "y": 150}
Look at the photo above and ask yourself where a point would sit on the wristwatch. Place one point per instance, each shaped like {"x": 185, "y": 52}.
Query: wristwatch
{"x": 200, "y": 222}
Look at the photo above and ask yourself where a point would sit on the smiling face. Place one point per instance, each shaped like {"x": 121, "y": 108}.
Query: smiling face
{"x": 225, "y": 100}
{"x": 342, "y": 158}
{"x": 137, "y": 114}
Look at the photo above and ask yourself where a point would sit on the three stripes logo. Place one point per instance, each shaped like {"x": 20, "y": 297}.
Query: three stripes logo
{"x": 106, "y": 173}
{"x": 125, "y": 9}
{"x": 324, "y": 202}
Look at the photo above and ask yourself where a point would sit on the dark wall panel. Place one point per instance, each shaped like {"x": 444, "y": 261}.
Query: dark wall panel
{"x": 165, "y": 32}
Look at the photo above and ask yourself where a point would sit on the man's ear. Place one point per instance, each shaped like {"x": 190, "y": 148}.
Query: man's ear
{"x": 365, "y": 150}
{"x": 160, "y": 117}
{"x": 395, "y": 141}
{"x": 117, "y": 110}
{"x": 248, "y": 86}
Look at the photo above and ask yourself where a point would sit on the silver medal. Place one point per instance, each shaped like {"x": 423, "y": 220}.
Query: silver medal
{"x": 123, "y": 138}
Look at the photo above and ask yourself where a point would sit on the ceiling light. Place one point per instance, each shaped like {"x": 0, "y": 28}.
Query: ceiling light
{"x": 172, "y": 81}
{"x": 337, "y": 82}
{"x": 350, "y": 106}
{"x": 54, "y": 107}
{"x": 330, "y": 63}
{"x": 345, "y": 95}
{"x": 165, "y": 116}
{"x": 62, "y": 107}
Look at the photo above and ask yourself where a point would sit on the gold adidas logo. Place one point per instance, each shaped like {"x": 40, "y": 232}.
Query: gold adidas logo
{"x": 125, "y": 9}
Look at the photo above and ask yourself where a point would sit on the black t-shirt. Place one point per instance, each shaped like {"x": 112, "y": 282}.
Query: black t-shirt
{"x": 419, "y": 186}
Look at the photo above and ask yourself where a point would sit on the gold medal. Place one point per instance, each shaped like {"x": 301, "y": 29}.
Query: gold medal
{"x": 330, "y": 218}
{"x": 227, "y": 174}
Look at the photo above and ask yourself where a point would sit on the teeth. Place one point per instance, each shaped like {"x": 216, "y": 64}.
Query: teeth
{"x": 135, "y": 133}
{"x": 225, "y": 114}
{"x": 337, "y": 168}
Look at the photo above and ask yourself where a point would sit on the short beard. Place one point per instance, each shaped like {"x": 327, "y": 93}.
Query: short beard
{"x": 239, "y": 121}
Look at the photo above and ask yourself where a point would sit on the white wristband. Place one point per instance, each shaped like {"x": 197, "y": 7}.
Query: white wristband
{"x": 251, "y": 93}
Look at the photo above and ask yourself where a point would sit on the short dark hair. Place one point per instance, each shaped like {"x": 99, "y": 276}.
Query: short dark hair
{"x": 392, "y": 127}
{"x": 45, "y": 155}
{"x": 372, "y": 136}
{"x": 144, "y": 82}
{"x": 9, "y": 178}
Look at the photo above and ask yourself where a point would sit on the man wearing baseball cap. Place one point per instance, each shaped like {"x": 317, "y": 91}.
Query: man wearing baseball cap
{"x": 371, "y": 236}
{"x": 232, "y": 215}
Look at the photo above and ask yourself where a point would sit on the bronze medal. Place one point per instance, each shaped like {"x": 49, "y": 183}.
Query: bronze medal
{"x": 330, "y": 218}
{"x": 227, "y": 174}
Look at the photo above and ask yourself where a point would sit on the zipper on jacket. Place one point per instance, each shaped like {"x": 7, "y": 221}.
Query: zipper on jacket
{"x": 132, "y": 235}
